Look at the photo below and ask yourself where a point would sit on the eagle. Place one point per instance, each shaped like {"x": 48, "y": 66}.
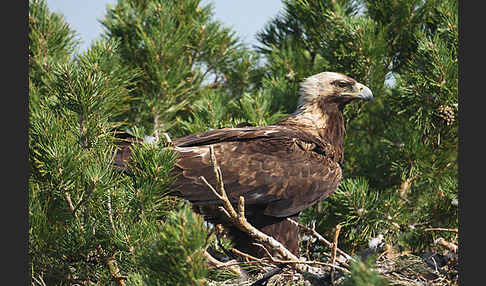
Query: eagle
{"x": 280, "y": 169}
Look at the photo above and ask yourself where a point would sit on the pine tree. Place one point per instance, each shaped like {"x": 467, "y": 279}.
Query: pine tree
{"x": 88, "y": 222}
{"x": 182, "y": 54}
{"x": 400, "y": 168}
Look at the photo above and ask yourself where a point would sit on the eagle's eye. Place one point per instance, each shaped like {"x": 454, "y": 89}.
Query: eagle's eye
{"x": 341, "y": 83}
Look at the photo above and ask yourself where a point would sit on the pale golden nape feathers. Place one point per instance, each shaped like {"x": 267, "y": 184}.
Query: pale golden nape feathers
{"x": 322, "y": 99}
{"x": 329, "y": 88}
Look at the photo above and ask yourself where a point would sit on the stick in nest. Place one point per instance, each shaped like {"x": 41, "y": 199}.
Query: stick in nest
{"x": 334, "y": 249}
{"x": 444, "y": 243}
{"x": 455, "y": 230}
{"x": 323, "y": 240}
{"x": 230, "y": 264}
{"x": 280, "y": 261}
{"x": 168, "y": 140}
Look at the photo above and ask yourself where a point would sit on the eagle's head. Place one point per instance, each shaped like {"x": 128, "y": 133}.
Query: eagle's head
{"x": 330, "y": 88}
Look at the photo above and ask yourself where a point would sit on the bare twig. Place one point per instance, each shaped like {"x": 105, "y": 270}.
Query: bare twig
{"x": 246, "y": 255}
{"x": 72, "y": 209}
{"x": 449, "y": 245}
{"x": 233, "y": 267}
{"x": 323, "y": 240}
{"x": 455, "y": 230}
{"x": 280, "y": 261}
{"x": 169, "y": 141}
{"x": 223, "y": 209}
{"x": 110, "y": 262}
{"x": 110, "y": 212}
{"x": 334, "y": 249}
{"x": 334, "y": 244}
{"x": 251, "y": 259}
{"x": 67, "y": 196}
{"x": 115, "y": 271}
{"x": 85, "y": 197}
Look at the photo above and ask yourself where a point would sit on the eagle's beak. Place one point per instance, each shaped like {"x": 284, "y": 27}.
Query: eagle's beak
{"x": 364, "y": 92}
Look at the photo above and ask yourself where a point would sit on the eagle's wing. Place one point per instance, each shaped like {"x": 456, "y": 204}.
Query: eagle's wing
{"x": 282, "y": 169}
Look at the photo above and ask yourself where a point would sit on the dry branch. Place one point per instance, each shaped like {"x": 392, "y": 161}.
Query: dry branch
{"x": 247, "y": 256}
{"x": 280, "y": 261}
{"x": 323, "y": 240}
{"x": 334, "y": 244}
{"x": 231, "y": 265}
{"x": 169, "y": 141}
{"x": 115, "y": 272}
{"x": 448, "y": 245}
{"x": 70, "y": 203}
{"x": 455, "y": 230}
{"x": 72, "y": 209}
{"x": 110, "y": 262}
{"x": 334, "y": 249}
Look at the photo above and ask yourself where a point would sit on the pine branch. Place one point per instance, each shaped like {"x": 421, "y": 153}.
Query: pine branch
{"x": 72, "y": 209}
{"x": 84, "y": 198}
{"x": 110, "y": 211}
{"x": 112, "y": 265}
{"x": 115, "y": 272}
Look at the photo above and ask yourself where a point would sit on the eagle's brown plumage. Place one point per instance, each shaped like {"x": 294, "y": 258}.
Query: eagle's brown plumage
{"x": 279, "y": 169}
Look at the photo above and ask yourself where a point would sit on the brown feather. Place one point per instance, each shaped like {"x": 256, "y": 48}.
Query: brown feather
{"x": 263, "y": 164}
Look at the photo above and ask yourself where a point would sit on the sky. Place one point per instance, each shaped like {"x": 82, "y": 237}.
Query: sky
{"x": 245, "y": 17}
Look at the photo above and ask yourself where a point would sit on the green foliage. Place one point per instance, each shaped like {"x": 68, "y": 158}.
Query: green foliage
{"x": 362, "y": 213}
{"x": 175, "y": 253}
{"x": 257, "y": 110}
{"x": 169, "y": 66}
{"x": 400, "y": 20}
{"x": 428, "y": 94}
{"x": 180, "y": 50}
{"x": 85, "y": 217}
{"x": 216, "y": 110}
{"x": 51, "y": 40}
{"x": 74, "y": 190}
{"x": 149, "y": 171}
{"x": 211, "y": 111}
{"x": 315, "y": 36}
{"x": 362, "y": 274}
